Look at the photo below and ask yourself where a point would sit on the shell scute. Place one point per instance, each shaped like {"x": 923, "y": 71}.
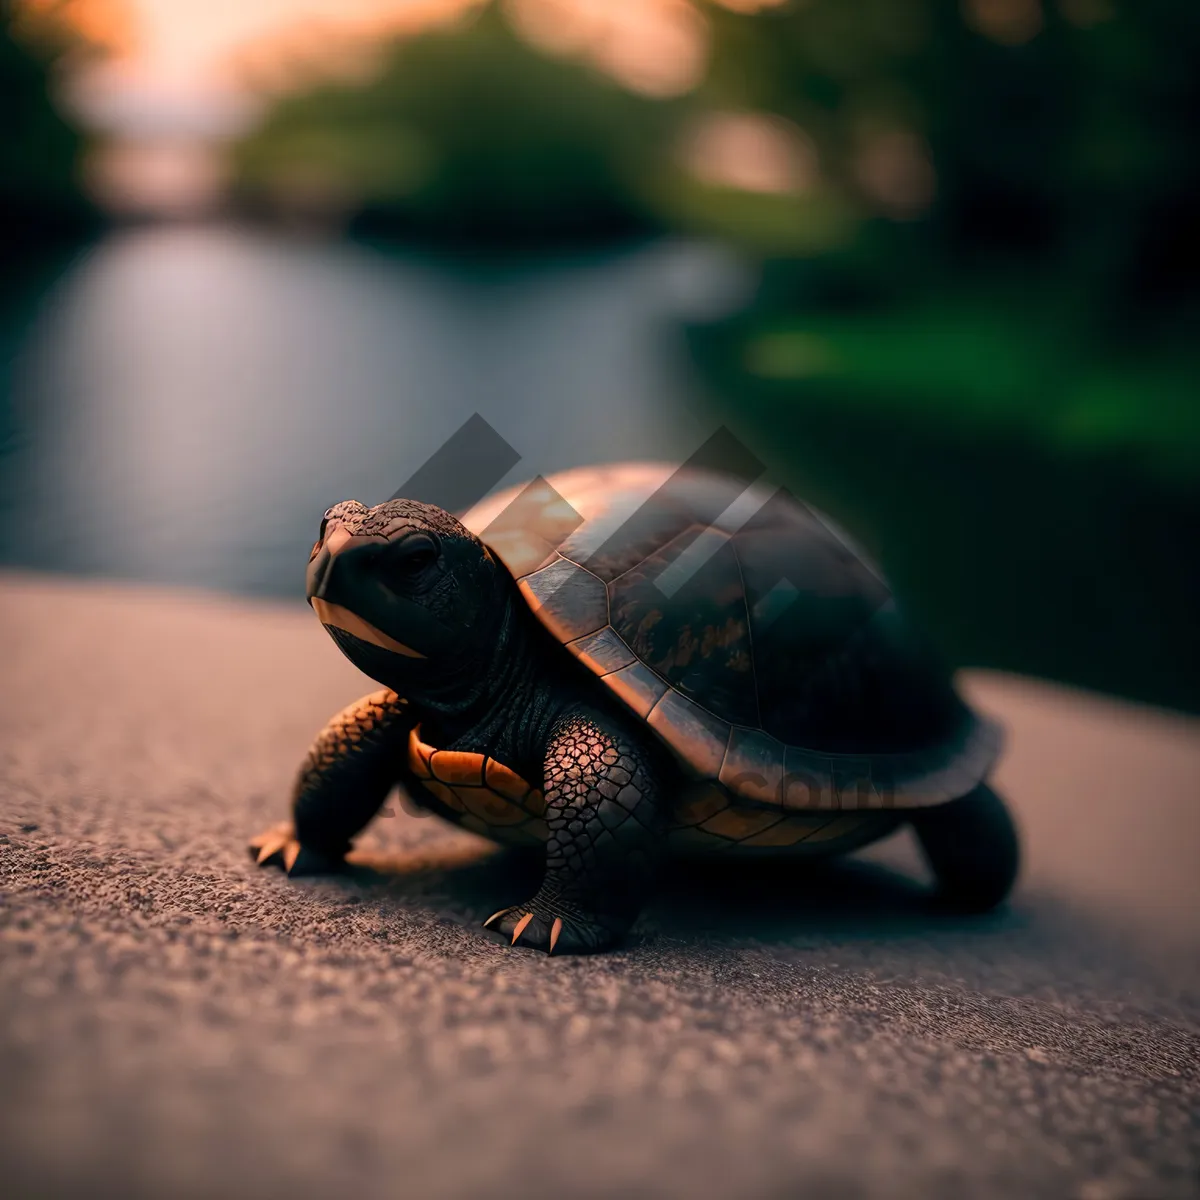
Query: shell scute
{"x": 754, "y": 765}
{"x": 696, "y": 735}
{"x": 638, "y": 686}
{"x": 698, "y": 804}
{"x": 603, "y": 651}
{"x": 569, "y": 601}
{"x": 694, "y": 634}
{"x": 491, "y": 808}
{"x": 634, "y": 520}
{"x": 527, "y": 532}
{"x": 706, "y": 605}
{"x": 737, "y": 824}
{"x": 455, "y": 767}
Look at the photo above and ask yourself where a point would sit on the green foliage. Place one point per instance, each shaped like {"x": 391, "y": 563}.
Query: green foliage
{"x": 39, "y": 150}
{"x": 1051, "y": 289}
{"x": 1065, "y": 145}
{"x": 760, "y": 222}
{"x": 999, "y": 233}
{"x": 466, "y": 133}
{"x": 978, "y": 365}
{"x": 1067, "y": 148}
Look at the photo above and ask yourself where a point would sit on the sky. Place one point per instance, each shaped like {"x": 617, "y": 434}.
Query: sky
{"x": 194, "y": 64}
{"x": 179, "y": 77}
{"x": 192, "y": 67}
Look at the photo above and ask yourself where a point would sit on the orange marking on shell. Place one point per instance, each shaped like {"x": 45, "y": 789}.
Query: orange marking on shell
{"x": 457, "y": 766}
{"x": 491, "y": 807}
{"x": 482, "y": 795}
{"x": 727, "y": 635}
{"x": 506, "y": 782}
{"x": 419, "y": 754}
{"x": 446, "y": 794}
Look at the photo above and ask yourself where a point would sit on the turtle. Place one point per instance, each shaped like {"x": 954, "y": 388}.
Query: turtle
{"x": 619, "y": 665}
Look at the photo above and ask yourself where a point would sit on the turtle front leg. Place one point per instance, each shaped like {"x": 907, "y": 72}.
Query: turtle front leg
{"x": 345, "y": 777}
{"x": 605, "y": 813}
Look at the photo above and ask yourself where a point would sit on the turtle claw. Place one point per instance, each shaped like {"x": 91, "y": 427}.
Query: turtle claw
{"x": 291, "y": 852}
{"x": 278, "y": 845}
{"x": 534, "y": 929}
{"x": 269, "y": 848}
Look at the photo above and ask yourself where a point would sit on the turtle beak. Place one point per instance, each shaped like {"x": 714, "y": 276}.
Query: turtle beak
{"x": 342, "y": 618}
{"x": 326, "y": 575}
{"x": 320, "y": 567}
{"x": 317, "y": 574}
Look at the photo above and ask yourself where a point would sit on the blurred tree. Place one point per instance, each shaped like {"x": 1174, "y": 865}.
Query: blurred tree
{"x": 40, "y": 196}
{"x": 463, "y": 133}
{"x": 890, "y": 147}
{"x": 1054, "y": 137}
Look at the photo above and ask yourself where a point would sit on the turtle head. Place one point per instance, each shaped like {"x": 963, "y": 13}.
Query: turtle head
{"x": 408, "y": 594}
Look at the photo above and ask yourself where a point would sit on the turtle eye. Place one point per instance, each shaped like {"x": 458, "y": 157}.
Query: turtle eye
{"x": 414, "y": 554}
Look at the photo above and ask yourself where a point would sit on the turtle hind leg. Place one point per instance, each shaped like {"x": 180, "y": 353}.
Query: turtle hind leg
{"x": 607, "y": 835}
{"x": 972, "y": 848}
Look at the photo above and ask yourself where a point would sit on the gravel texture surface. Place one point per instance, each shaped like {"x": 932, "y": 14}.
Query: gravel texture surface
{"x": 177, "y": 1022}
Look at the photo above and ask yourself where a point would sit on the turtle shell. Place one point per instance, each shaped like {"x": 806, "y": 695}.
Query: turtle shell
{"x": 746, "y": 630}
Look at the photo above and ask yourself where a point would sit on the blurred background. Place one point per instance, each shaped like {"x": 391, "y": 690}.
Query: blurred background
{"x": 937, "y": 263}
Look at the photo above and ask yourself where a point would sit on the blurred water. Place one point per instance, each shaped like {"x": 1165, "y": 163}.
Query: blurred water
{"x": 182, "y": 404}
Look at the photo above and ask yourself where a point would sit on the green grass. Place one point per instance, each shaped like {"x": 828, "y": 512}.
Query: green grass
{"x": 985, "y": 367}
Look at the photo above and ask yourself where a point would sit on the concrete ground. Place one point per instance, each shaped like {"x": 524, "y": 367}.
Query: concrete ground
{"x": 177, "y": 1022}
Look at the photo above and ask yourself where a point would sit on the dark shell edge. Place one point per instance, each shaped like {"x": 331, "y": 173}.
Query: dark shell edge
{"x": 572, "y": 604}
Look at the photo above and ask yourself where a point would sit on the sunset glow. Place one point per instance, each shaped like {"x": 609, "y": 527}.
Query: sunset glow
{"x": 656, "y": 47}
{"x": 207, "y": 46}
{"x": 213, "y": 40}
{"x": 177, "y": 79}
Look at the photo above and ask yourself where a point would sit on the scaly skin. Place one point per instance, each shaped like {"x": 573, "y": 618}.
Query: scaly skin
{"x": 607, "y": 828}
{"x": 351, "y": 766}
{"x": 478, "y": 674}
{"x": 422, "y": 606}
{"x": 604, "y": 812}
